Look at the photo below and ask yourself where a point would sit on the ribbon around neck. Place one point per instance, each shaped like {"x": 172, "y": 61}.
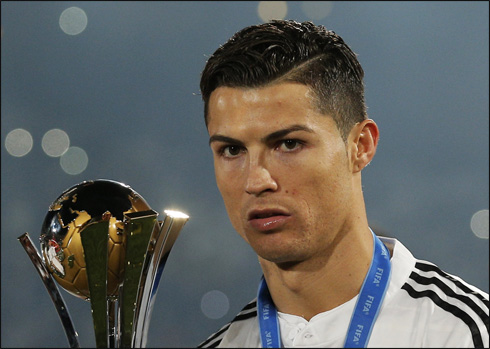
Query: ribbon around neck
{"x": 365, "y": 312}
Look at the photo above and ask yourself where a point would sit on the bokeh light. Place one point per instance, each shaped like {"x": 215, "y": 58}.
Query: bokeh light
{"x": 18, "y": 142}
{"x": 215, "y": 304}
{"x": 268, "y": 10}
{"x": 479, "y": 224}
{"x": 74, "y": 161}
{"x": 73, "y": 20}
{"x": 55, "y": 142}
{"x": 316, "y": 10}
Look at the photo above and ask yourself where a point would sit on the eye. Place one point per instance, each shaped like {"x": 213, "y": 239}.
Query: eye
{"x": 230, "y": 151}
{"x": 288, "y": 145}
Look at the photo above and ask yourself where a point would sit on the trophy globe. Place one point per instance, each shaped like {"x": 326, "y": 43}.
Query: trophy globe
{"x": 77, "y": 207}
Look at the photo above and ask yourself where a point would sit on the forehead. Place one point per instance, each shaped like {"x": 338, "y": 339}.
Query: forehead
{"x": 255, "y": 113}
{"x": 274, "y": 102}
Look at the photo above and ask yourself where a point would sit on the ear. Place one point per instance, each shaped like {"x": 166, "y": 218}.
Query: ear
{"x": 364, "y": 140}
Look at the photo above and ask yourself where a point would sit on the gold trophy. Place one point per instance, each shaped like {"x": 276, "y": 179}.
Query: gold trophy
{"x": 102, "y": 242}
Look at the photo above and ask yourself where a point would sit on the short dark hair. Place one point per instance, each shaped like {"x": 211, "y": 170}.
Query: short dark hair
{"x": 286, "y": 50}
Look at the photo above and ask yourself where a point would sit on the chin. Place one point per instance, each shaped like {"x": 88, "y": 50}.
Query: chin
{"x": 281, "y": 256}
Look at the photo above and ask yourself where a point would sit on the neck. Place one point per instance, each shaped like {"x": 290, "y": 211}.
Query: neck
{"x": 323, "y": 282}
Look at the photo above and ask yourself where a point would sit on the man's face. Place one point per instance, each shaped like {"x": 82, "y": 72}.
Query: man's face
{"x": 282, "y": 168}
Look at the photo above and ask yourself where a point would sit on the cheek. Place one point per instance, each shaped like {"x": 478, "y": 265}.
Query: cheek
{"x": 228, "y": 174}
{"x": 229, "y": 191}
{"x": 220, "y": 174}
{"x": 321, "y": 186}
{"x": 227, "y": 184}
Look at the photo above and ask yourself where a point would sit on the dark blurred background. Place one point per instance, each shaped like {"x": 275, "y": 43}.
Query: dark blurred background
{"x": 111, "y": 90}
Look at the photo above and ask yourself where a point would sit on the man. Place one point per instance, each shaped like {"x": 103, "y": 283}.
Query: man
{"x": 285, "y": 112}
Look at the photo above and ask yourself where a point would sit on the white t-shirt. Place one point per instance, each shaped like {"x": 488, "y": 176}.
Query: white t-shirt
{"x": 423, "y": 307}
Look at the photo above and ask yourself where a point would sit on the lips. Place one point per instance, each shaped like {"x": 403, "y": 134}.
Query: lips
{"x": 267, "y": 219}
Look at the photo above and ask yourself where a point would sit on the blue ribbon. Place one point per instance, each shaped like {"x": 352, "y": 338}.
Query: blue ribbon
{"x": 268, "y": 323}
{"x": 365, "y": 312}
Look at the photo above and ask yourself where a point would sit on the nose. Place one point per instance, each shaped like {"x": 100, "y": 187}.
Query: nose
{"x": 259, "y": 180}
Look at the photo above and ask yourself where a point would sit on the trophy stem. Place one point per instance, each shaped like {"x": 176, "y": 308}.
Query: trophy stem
{"x": 169, "y": 230}
{"x": 112, "y": 323}
{"x": 138, "y": 229}
{"x": 94, "y": 241}
{"x": 52, "y": 289}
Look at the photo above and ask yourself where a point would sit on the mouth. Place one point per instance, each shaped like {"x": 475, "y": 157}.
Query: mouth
{"x": 267, "y": 219}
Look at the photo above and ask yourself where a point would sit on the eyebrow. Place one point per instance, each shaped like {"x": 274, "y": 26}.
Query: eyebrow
{"x": 224, "y": 139}
{"x": 270, "y": 138}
